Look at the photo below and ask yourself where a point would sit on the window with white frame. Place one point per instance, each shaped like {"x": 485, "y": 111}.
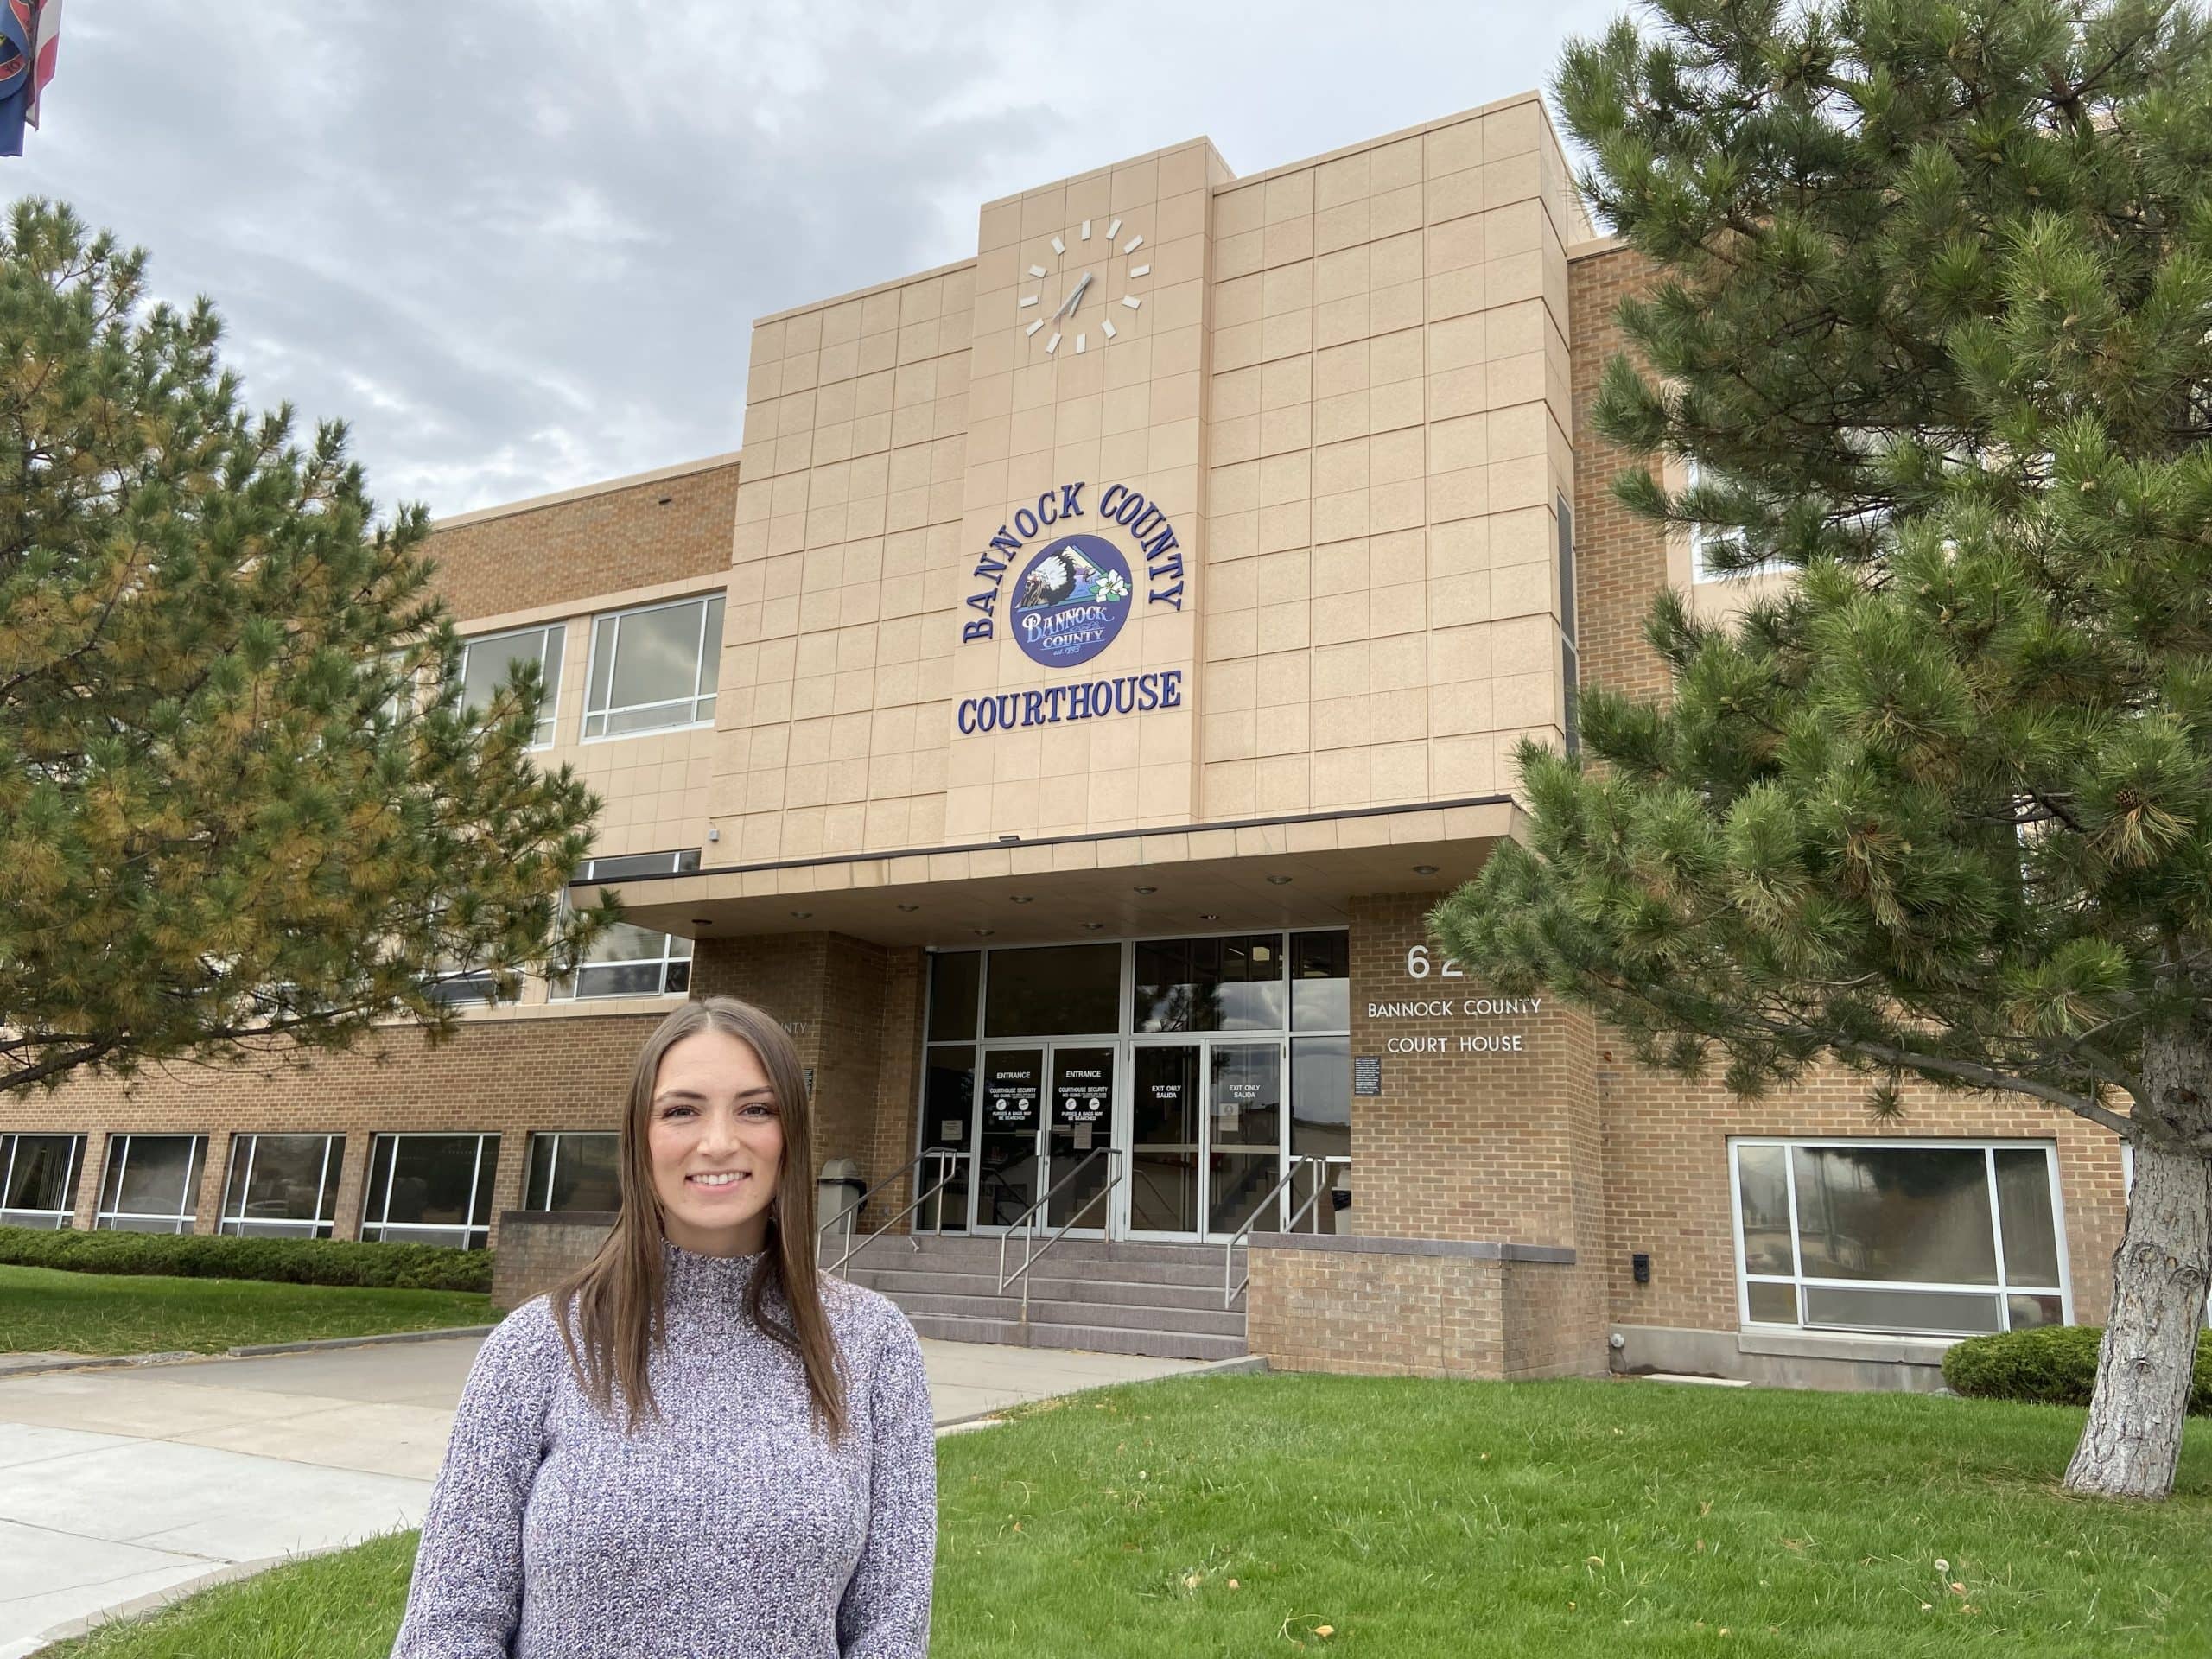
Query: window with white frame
{"x": 572, "y": 1171}
{"x": 430, "y": 1189}
{"x": 486, "y": 663}
{"x": 282, "y": 1185}
{"x": 152, "y": 1184}
{"x": 628, "y": 960}
{"x": 38, "y": 1179}
{"x": 1705, "y": 540}
{"x": 653, "y": 668}
{"x": 1938, "y": 1238}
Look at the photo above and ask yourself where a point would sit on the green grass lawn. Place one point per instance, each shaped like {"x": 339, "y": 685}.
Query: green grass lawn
{"x": 1239, "y": 1515}
{"x": 43, "y": 1310}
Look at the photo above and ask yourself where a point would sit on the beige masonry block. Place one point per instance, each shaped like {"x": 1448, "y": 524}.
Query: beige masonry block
{"x": 1341, "y": 275}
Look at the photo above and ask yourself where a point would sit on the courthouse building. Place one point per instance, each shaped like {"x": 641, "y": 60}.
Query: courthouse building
{"x": 1061, "y": 710}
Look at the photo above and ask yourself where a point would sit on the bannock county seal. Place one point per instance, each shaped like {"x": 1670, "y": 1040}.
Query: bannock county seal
{"x": 1071, "y": 601}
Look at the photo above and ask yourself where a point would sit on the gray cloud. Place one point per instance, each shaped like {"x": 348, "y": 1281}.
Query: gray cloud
{"x": 518, "y": 245}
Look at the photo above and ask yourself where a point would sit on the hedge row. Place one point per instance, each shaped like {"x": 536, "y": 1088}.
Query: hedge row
{"x": 286, "y": 1261}
{"x": 2054, "y": 1365}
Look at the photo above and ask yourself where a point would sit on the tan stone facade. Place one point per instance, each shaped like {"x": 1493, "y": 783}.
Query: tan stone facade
{"x": 1321, "y": 437}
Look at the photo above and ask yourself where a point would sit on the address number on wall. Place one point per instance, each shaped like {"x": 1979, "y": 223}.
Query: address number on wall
{"x": 1418, "y": 965}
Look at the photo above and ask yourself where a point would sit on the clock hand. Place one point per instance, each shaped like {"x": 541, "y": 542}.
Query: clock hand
{"x": 1068, "y": 305}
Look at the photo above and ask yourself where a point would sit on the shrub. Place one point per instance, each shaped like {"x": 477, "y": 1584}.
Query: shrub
{"x": 2052, "y": 1365}
{"x": 285, "y": 1261}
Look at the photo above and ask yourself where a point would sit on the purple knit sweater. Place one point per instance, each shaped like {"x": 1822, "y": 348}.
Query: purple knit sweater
{"x": 729, "y": 1528}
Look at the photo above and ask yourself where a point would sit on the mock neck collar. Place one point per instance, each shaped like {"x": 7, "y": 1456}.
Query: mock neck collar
{"x": 692, "y": 1269}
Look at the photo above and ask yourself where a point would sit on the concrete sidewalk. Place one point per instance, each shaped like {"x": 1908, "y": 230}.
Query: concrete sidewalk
{"x": 122, "y": 1488}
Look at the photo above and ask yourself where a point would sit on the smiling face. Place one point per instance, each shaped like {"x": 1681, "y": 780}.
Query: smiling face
{"x": 714, "y": 1137}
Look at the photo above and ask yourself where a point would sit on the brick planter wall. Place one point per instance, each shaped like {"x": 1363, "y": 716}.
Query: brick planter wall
{"x": 1412, "y": 1306}
{"x": 539, "y": 1249}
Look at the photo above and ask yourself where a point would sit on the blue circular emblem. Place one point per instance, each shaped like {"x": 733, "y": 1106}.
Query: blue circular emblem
{"x": 1071, "y": 601}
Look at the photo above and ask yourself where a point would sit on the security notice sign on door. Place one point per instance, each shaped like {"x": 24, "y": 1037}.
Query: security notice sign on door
{"x": 1010, "y": 1096}
{"x": 1082, "y": 1095}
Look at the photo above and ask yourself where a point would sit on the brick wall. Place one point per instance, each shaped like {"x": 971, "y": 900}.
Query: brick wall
{"x": 507, "y": 1077}
{"x": 1494, "y": 1132}
{"x": 1620, "y": 560}
{"x": 1411, "y": 1308}
{"x": 1666, "y": 1183}
{"x": 537, "y": 1251}
{"x": 853, "y": 1008}
{"x": 572, "y": 550}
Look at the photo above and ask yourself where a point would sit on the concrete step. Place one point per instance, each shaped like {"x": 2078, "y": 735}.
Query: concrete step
{"x": 1213, "y": 1321}
{"x": 899, "y": 1282}
{"x": 1098, "y": 1339}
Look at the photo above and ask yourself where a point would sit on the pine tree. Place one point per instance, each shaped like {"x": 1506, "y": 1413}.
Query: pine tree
{"x": 1932, "y": 301}
{"x": 242, "y": 809}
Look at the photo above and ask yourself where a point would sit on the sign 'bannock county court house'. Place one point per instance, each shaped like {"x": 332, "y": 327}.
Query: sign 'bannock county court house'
{"x": 1062, "y": 711}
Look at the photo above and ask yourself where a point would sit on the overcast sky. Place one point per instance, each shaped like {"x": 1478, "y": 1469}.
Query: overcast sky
{"x": 518, "y": 245}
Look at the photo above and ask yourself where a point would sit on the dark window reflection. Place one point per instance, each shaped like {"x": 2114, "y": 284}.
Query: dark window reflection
{"x": 1901, "y": 1213}
{"x": 954, "y": 976}
{"x": 1320, "y": 1096}
{"x": 1224, "y": 984}
{"x": 1321, "y": 980}
{"x": 1058, "y": 990}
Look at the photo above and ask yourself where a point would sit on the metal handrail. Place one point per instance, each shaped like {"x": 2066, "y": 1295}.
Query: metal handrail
{"x": 853, "y": 1246}
{"x": 1229, "y": 1292}
{"x": 1112, "y": 1155}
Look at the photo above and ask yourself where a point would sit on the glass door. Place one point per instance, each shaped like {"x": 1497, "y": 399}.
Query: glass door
{"x": 1006, "y": 1146}
{"x": 1245, "y": 1124}
{"x": 1083, "y": 1121}
{"x": 1163, "y": 1141}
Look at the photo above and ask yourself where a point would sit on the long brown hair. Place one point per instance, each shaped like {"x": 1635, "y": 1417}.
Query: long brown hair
{"x": 611, "y": 1311}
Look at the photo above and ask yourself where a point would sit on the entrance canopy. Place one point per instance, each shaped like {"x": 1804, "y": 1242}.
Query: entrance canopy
{"x": 1300, "y": 871}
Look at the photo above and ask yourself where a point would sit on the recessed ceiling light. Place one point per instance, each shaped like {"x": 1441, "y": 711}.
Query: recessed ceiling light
{"x": 801, "y": 915}
{"x": 1023, "y": 897}
{"x": 1278, "y": 880}
{"x": 1092, "y": 927}
{"x": 1145, "y": 889}
{"x": 983, "y": 932}
{"x": 910, "y": 906}
{"x": 702, "y": 921}
{"x": 1424, "y": 869}
{"x": 1210, "y": 915}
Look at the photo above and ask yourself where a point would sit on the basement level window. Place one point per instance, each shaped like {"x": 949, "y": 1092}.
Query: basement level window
{"x": 1934, "y": 1238}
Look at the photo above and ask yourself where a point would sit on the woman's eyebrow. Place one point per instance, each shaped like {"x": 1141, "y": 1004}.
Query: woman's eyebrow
{"x": 766, "y": 1091}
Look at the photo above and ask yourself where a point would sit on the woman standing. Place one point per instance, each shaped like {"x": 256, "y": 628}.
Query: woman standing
{"x": 696, "y": 1445}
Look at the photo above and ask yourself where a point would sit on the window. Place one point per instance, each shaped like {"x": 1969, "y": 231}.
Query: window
{"x": 38, "y": 1179}
{"x": 153, "y": 1183}
{"x": 631, "y": 961}
{"x": 430, "y": 1189}
{"x": 282, "y": 1185}
{"x": 1569, "y": 661}
{"x": 1052, "y": 991}
{"x": 1708, "y": 539}
{"x": 653, "y": 668}
{"x": 573, "y": 1171}
{"x": 1218, "y": 984}
{"x": 486, "y": 663}
{"x": 1923, "y": 1238}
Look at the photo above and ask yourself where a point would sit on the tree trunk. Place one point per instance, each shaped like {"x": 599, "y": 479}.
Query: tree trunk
{"x": 2160, "y": 1273}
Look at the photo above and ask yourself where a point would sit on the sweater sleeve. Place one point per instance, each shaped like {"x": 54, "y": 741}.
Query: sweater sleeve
{"x": 885, "y": 1613}
{"x": 465, "y": 1596}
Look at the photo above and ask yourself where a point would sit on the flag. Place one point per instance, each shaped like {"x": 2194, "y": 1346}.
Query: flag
{"x": 30, "y": 32}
